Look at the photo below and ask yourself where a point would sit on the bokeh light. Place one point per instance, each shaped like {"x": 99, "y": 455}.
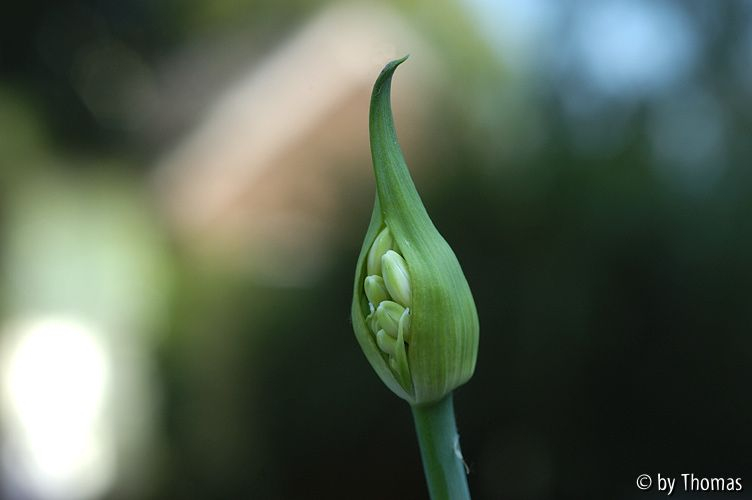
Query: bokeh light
{"x": 59, "y": 443}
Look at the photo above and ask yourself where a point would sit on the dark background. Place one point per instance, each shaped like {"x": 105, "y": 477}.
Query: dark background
{"x": 589, "y": 163}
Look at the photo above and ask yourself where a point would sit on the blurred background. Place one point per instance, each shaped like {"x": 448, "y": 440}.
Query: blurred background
{"x": 184, "y": 189}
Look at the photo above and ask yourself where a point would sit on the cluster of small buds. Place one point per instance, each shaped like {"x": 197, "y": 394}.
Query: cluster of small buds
{"x": 387, "y": 287}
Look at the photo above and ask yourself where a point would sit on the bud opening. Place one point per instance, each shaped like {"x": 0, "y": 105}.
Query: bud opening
{"x": 388, "y": 297}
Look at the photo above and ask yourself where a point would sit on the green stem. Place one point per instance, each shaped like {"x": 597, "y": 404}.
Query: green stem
{"x": 440, "y": 450}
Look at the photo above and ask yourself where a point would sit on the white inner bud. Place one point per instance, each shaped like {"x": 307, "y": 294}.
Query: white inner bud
{"x": 388, "y": 315}
{"x": 381, "y": 245}
{"x": 375, "y": 291}
{"x": 396, "y": 277}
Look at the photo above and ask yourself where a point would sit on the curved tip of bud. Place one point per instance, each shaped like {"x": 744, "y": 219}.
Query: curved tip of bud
{"x": 391, "y": 66}
{"x": 396, "y": 62}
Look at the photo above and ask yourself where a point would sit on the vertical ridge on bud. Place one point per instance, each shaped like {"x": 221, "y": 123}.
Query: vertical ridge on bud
{"x": 403, "y": 329}
{"x": 402, "y": 364}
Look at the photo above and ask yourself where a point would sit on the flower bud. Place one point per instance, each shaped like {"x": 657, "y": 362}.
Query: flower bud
{"x": 422, "y": 338}
{"x": 386, "y": 343}
{"x": 375, "y": 290}
{"x": 396, "y": 278}
{"x": 388, "y": 314}
{"x": 381, "y": 245}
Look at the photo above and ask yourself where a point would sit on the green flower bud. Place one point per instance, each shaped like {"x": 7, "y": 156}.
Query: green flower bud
{"x": 435, "y": 345}
{"x": 375, "y": 290}
{"x": 381, "y": 245}
{"x": 396, "y": 278}
{"x": 388, "y": 314}
{"x": 386, "y": 343}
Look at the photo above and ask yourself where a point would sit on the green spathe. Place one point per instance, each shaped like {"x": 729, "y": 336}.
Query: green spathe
{"x": 443, "y": 329}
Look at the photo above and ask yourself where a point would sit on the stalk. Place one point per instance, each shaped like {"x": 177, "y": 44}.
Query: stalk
{"x": 412, "y": 312}
{"x": 440, "y": 450}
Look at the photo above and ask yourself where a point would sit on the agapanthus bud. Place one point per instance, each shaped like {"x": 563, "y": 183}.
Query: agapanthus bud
{"x": 422, "y": 339}
{"x": 388, "y": 315}
{"x": 381, "y": 245}
{"x": 386, "y": 343}
{"x": 375, "y": 290}
{"x": 396, "y": 277}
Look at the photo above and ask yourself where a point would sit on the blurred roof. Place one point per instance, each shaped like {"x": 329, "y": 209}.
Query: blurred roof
{"x": 264, "y": 178}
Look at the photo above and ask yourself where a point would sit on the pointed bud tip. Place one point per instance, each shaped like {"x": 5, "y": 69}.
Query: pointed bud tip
{"x": 392, "y": 65}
